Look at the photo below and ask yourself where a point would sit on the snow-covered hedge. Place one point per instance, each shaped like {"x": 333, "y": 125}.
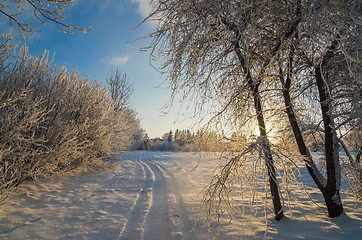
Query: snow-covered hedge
{"x": 52, "y": 120}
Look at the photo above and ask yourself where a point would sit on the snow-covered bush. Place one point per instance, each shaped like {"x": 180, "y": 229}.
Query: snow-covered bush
{"x": 52, "y": 120}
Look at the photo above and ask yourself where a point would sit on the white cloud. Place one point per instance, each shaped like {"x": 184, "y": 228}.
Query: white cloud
{"x": 118, "y": 60}
{"x": 144, "y": 7}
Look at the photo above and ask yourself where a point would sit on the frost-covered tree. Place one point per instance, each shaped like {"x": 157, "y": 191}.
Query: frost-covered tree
{"x": 170, "y": 136}
{"x": 248, "y": 61}
{"x": 15, "y": 11}
{"x": 120, "y": 89}
{"x": 208, "y": 55}
{"x": 321, "y": 60}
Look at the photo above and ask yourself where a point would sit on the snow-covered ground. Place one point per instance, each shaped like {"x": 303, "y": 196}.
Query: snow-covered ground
{"x": 153, "y": 195}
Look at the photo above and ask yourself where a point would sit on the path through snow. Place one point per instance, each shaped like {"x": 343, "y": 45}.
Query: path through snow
{"x": 135, "y": 199}
{"x": 154, "y": 195}
{"x": 158, "y": 212}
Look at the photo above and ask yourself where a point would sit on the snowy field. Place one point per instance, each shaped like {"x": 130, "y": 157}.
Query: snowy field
{"x": 153, "y": 195}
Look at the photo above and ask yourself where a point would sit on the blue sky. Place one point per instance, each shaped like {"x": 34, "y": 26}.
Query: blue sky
{"x": 107, "y": 46}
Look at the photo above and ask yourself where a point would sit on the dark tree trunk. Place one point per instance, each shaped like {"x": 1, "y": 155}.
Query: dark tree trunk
{"x": 331, "y": 195}
{"x": 317, "y": 177}
{"x": 309, "y": 163}
{"x": 278, "y": 210}
{"x": 254, "y": 87}
{"x": 330, "y": 186}
{"x": 333, "y": 202}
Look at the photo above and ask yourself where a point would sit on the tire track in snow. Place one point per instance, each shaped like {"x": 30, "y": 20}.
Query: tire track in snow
{"x": 135, "y": 226}
{"x": 157, "y": 223}
{"x": 178, "y": 213}
{"x": 169, "y": 216}
{"x": 159, "y": 212}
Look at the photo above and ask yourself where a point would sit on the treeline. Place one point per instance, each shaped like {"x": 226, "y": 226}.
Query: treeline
{"x": 217, "y": 141}
{"x": 52, "y": 120}
{"x": 186, "y": 141}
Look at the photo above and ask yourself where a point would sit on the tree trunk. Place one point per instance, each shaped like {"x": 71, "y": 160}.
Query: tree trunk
{"x": 332, "y": 195}
{"x": 333, "y": 202}
{"x": 330, "y": 186}
{"x": 278, "y": 210}
{"x": 254, "y": 87}
{"x": 317, "y": 177}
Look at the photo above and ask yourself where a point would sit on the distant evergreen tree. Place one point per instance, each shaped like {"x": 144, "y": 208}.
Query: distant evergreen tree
{"x": 170, "y": 136}
{"x": 146, "y": 144}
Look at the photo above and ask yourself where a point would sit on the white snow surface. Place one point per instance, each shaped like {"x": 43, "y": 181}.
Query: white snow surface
{"x": 154, "y": 195}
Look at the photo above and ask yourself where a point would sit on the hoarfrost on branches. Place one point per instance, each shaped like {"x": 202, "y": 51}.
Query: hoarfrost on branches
{"x": 294, "y": 65}
{"x": 52, "y": 120}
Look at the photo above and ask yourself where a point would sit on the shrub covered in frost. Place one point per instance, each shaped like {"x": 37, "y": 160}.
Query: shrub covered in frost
{"x": 52, "y": 120}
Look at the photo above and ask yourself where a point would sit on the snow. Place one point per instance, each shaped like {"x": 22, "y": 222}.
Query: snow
{"x": 154, "y": 195}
